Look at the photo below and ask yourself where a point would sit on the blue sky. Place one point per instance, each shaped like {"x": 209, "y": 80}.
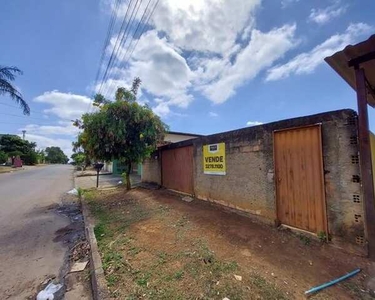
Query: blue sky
{"x": 206, "y": 66}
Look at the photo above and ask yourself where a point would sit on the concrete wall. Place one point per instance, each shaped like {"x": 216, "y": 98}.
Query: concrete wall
{"x": 249, "y": 184}
{"x": 108, "y": 167}
{"x": 151, "y": 169}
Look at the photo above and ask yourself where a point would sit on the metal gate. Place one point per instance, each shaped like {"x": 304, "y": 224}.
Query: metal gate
{"x": 300, "y": 196}
{"x": 177, "y": 169}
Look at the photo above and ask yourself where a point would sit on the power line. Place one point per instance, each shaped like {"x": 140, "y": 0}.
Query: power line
{"x": 31, "y": 111}
{"x": 125, "y": 36}
{"x": 26, "y": 123}
{"x": 139, "y": 37}
{"x": 120, "y": 59}
{"x": 108, "y": 36}
{"x": 114, "y": 47}
{"x": 13, "y": 115}
{"x": 124, "y": 60}
{"x": 112, "y": 23}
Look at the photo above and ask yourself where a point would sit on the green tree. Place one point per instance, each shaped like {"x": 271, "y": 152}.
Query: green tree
{"x": 10, "y": 143}
{"x": 3, "y": 157}
{"x": 7, "y": 75}
{"x": 13, "y": 145}
{"x": 54, "y": 155}
{"x": 122, "y": 130}
{"x": 79, "y": 158}
{"x": 30, "y": 158}
{"x": 41, "y": 155}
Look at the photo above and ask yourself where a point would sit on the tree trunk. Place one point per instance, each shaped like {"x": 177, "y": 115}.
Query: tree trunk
{"x": 128, "y": 169}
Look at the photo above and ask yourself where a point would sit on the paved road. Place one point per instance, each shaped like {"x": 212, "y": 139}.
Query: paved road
{"x": 28, "y": 254}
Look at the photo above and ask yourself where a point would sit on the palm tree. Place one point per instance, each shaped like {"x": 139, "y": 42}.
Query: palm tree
{"x": 8, "y": 74}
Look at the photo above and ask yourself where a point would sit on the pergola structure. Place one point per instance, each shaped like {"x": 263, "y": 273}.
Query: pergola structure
{"x": 356, "y": 65}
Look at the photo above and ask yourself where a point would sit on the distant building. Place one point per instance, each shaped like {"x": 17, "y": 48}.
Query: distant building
{"x": 171, "y": 137}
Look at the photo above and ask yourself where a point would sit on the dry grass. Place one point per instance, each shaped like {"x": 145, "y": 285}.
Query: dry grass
{"x": 151, "y": 252}
{"x": 155, "y": 246}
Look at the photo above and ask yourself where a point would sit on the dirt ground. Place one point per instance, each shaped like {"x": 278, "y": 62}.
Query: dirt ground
{"x": 156, "y": 246}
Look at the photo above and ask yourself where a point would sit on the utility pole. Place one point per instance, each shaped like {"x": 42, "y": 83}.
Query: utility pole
{"x": 23, "y": 134}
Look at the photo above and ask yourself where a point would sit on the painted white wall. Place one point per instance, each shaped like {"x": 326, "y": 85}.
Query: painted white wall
{"x": 108, "y": 167}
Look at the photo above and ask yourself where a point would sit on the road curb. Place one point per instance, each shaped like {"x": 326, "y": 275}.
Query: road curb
{"x": 98, "y": 281}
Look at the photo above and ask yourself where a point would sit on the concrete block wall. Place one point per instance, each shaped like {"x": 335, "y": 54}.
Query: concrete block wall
{"x": 249, "y": 184}
{"x": 151, "y": 169}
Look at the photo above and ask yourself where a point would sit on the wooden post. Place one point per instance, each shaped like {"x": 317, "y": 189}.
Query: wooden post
{"x": 365, "y": 160}
{"x": 97, "y": 178}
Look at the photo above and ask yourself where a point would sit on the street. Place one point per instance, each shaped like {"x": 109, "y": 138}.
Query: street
{"x": 28, "y": 254}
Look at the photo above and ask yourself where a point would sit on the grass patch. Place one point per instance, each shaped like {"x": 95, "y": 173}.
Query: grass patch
{"x": 266, "y": 289}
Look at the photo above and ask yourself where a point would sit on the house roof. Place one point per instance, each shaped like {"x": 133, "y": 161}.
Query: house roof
{"x": 184, "y": 133}
{"x": 361, "y": 54}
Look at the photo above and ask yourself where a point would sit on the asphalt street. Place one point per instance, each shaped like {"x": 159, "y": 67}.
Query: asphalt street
{"x": 28, "y": 224}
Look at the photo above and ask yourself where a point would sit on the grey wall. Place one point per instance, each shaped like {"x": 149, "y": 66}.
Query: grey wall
{"x": 249, "y": 185}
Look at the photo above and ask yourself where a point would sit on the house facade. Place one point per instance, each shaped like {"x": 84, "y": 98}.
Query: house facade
{"x": 170, "y": 137}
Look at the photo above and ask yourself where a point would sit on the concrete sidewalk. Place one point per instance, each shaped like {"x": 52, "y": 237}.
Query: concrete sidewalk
{"x": 87, "y": 182}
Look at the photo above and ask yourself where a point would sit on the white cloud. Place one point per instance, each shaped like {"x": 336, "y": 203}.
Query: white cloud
{"x": 322, "y": 16}
{"x": 162, "y": 109}
{"x": 44, "y": 142}
{"x": 209, "y": 47}
{"x": 262, "y": 50}
{"x": 65, "y": 105}
{"x": 68, "y": 129}
{"x": 204, "y": 25}
{"x": 253, "y": 123}
{"x": 307, "y": 62}
{"x": 213, "y": 114}
{"x": 163, "y": 70}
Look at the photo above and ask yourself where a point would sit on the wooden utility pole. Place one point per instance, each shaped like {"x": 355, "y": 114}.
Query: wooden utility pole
{"x": 365, "y": 159}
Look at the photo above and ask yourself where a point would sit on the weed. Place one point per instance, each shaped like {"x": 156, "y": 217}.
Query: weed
{"x": 99, "y": 231}
{"x": 143, "y": 280}
{"x": 112, "y": 279}
{"x": 182, "y": 221}
{"x": 305, "y": 239}
{"x": 178, "y": 275}
{"x": 112, "y": 260}
{"x": 80, "y": 193}
{"x": 134, "y": 250}
{"x": 322, "y": 236}
{"x": 162, "y": 257}
{"x": 89, "y": 195}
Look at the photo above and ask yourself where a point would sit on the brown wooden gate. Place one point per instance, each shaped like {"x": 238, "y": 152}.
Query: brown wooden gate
{"x": 177, "y": 169}
{"x": 300, "y": 196}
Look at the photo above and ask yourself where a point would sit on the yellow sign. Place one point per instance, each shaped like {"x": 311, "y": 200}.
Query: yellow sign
{"x": 214, "y": 159}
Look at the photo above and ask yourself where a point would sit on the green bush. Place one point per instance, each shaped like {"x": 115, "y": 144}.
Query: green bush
{"x": 30, "y": 158}
{"x": 3, "y": 157}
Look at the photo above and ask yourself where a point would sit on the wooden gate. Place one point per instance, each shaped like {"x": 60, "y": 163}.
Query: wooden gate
{"x": 177, "y": 169}
{"x": 300, "y": 196}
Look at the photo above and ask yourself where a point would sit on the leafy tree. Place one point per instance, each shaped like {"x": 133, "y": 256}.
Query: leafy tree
{"x": 30, "y": 158}
{"x": 122, "y": 130}
{"x": 41, "y": 156}
{"x": 79, "y": 158}
{"x": 13, "y": 145}
{"x": 8, "y": 74}
{"x": 54, "y": 155}
{"x": 3, "y": 157}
